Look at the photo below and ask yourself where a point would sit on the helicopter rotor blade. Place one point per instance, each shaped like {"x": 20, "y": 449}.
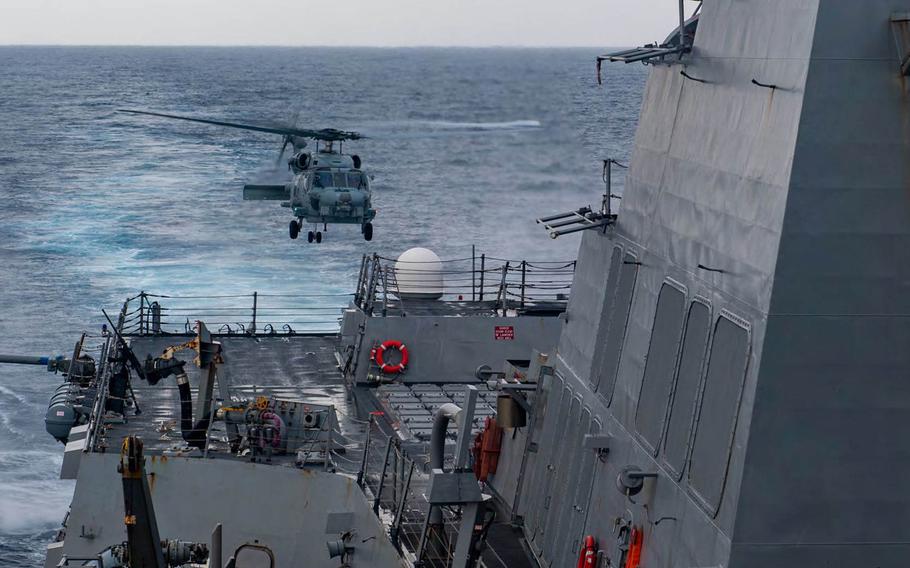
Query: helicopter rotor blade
{"x": 284, "y": 145}
{"x": 323, "y": 134}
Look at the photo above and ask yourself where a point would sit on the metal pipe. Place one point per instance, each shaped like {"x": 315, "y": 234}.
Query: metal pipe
{"x": 141, "y": 312}
{"x": 255, "y": 302}
{"x": 582, "y": 211}
{"x": 682, "y": 24}
{"x": 573, "y": 221}
{"x": 473, "y": 274}
{"x": 385, "y": 466}
{"x": 366, "y": 451}
{"x": 395, "y": 530}
{"x": 524, "y": 270}
{"x": 483, "y": 259}
{"x": 608, "y": 179}
{"x": 444, "y": 415}
{"x": 601, "y": 223}
{"x": 503, "y": 287}
{"x": 358, "y": 294}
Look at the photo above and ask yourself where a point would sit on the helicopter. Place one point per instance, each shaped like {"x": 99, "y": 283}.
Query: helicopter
{"x": 327, "y": 185}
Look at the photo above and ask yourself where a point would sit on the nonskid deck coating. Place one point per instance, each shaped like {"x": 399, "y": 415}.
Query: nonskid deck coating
{"x": 301, "y": 368}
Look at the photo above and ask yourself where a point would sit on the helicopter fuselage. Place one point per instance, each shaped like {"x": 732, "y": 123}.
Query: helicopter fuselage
{"x": 328, "y": 188}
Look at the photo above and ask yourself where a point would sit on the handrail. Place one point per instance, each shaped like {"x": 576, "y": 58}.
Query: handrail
{"x": 172, "y": 314}
{"x": 531, "y": 283}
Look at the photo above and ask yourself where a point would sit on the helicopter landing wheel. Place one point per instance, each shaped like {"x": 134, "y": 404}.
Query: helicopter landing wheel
{"x": 293, "y": 229}
{"x": 368, "y": 232}
{"x": 310, "y": 236}
{"x": 318, "y": 236}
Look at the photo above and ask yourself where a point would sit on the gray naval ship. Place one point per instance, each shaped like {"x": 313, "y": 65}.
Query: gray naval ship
{"x": 720, "y": 380}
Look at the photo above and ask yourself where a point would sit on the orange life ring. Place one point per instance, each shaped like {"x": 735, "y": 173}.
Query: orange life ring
{"x": 387, "y": 368}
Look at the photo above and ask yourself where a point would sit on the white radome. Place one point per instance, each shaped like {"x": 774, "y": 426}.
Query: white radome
{"x": 419, "y": 275}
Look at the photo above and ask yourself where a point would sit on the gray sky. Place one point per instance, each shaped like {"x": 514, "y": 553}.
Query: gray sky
{"x": 337, "y": 22}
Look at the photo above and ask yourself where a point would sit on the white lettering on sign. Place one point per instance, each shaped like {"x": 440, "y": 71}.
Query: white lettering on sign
{"x": 504, "y": 333}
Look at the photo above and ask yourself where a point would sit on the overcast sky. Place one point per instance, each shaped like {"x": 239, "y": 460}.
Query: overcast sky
{"x": 337, "y": 22}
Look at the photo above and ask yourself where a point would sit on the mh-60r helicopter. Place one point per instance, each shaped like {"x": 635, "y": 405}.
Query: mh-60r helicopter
{"x": 327, "y": 186}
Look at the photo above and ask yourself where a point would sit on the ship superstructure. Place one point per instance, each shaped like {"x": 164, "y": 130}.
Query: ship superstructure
{"x": 734, "y": 347}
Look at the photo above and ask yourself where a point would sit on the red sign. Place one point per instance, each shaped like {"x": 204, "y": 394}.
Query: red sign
{"x": 504, "y": 333}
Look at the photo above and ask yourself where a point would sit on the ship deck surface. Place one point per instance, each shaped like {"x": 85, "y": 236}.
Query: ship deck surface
{"x": 301, "y": 368}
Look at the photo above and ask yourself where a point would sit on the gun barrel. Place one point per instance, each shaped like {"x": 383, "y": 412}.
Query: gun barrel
{"x": 51, "y": 363}
{"x": 24, "y": 360}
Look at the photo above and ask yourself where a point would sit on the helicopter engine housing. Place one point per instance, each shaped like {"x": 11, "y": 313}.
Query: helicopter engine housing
{"x": 300, "y": 161}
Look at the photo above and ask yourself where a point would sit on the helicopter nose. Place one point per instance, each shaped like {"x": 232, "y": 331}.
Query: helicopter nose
{"x": 349, "y": 198}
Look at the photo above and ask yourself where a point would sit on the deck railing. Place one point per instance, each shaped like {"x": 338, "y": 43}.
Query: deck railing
{"x": 397, "y": 485}
{"x": 233, "y": 314}
{"x": 481, "y": 281}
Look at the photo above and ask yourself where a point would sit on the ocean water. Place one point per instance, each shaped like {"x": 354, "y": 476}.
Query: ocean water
{"x": 468, "y": 147}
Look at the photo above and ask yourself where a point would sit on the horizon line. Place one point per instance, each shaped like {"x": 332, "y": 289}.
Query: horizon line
{"x": 320, "y": 46}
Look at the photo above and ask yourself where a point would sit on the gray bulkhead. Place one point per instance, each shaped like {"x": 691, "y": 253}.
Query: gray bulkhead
{"x": 742, "y": 331}
{"x": 292, "y": 511}
{"x": 443, "y": 348}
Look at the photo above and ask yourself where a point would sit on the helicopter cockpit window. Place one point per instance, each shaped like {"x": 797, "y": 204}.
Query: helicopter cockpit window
{"x": 356, "y": 180}
{"x": 323, "y": 179}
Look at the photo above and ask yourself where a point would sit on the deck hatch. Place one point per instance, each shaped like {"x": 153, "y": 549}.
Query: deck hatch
{"x": 550, "y": 462}
{"x": 685, "y": 391}
{"x": 562, "y": 535}
{"x": 562, "y": 470}
{"x": 660, "y": 365}
{"x": 719, "y": 409}
{"x": 616, "y": 331}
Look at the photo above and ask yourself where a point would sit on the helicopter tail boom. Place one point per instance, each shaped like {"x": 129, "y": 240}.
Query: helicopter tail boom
{"x": 265, "y": 192}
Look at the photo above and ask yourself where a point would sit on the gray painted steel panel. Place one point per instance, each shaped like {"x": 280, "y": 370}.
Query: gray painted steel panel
{"x": 685, "y": 394}
{"x": 562, "y": 470}
{"x": 582, "y": 497}
{"x": 608, "y": 303}
{"x": 586, "y": 321}
{"x": 449, "y": 349}
{"x": 616, "y": 333}
{"x": 719, "y": 409}
{"x": 550, "y": 463}
{"x": 548, "y": 401}
{"x": 192, "y": 495}
{"x": 576, "y": 495}
{"x": 660, "y": 365}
